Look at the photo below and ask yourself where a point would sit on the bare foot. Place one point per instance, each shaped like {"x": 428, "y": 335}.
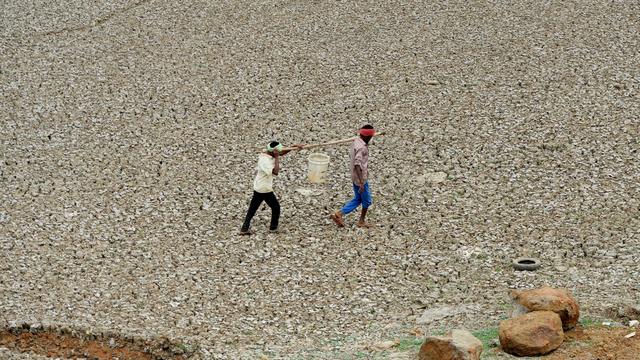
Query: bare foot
{"x": 364, "y": 224}
{"x": 246, "y": 232}
{"x": 337, "y": 218}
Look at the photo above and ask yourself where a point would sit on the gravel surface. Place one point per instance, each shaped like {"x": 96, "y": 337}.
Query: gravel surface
{"x": 128, "y": 137}
{"x": 5, "y": 354}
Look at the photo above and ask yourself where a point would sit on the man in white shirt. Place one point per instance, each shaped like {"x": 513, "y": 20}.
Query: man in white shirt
{"x": 268, "y": 166}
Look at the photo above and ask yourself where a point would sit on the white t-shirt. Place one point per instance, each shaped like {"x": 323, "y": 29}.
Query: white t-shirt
{"x": 264, "y": 178}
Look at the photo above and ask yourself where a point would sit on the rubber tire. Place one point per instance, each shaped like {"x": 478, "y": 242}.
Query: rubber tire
{"x": 518, "y": 265}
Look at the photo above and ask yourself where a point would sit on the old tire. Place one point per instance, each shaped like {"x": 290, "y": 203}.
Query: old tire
{"x": 525, "y": 263}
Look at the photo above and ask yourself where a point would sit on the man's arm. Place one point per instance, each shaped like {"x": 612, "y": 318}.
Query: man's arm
{"x": 297, "y": 146}
{"x": 359, "y": 178}
{"x": 276, "y": 156}
{"x": 276, "y": 168}
{"x": 357, "y": 169}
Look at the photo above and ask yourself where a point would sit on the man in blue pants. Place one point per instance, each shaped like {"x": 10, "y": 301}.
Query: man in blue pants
{"x": 359, "y": 155}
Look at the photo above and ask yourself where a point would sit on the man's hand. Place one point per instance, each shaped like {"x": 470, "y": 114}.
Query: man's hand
{"x": 361, "y": 189}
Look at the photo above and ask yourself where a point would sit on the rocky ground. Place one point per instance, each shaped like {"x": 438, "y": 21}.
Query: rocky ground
{"x": 128, "y": 139}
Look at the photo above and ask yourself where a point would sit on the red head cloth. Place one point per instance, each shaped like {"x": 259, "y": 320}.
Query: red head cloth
{"x": 367, "y": 132}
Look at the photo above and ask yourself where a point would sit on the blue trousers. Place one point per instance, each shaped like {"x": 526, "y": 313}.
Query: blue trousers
{"x": 364, "y": 199}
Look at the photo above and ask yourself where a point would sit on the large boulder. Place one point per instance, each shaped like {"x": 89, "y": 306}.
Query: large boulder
{"x": 546, "y": 298}
{"x": 535, "y": 333}
{"x": 455, "y": 345}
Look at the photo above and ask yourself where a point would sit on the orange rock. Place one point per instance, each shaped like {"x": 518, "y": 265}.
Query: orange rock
{"x": 535, "y": 333}
{"x": 456, "y": 345}
{"x": 546, "y": 298}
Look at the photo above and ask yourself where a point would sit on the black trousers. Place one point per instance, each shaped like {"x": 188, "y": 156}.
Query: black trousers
{"x": 256, "y": 200}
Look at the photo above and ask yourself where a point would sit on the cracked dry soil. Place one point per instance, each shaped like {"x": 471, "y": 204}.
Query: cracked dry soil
{"x": 128, "y": 139}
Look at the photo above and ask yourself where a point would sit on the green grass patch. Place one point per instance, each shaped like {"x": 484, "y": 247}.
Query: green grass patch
{"x": 486, "y": 335}
{"x": 589, "y": 322}
{"x": 409, "y": 344}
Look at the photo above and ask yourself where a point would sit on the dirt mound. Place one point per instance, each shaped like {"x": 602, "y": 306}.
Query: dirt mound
{"x": 72, "y": 343}
{"x": 598, "y": 343}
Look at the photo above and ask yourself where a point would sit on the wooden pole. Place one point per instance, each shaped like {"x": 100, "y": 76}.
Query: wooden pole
{"x": 336, "y": 142}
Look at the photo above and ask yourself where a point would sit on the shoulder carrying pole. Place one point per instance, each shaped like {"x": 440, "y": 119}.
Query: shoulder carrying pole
{"x": 336, "y": 142}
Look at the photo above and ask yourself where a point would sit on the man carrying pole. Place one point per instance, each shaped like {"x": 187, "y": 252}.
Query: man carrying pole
{"x": 359, "y": 155}
{"x": 268, "y": 166}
